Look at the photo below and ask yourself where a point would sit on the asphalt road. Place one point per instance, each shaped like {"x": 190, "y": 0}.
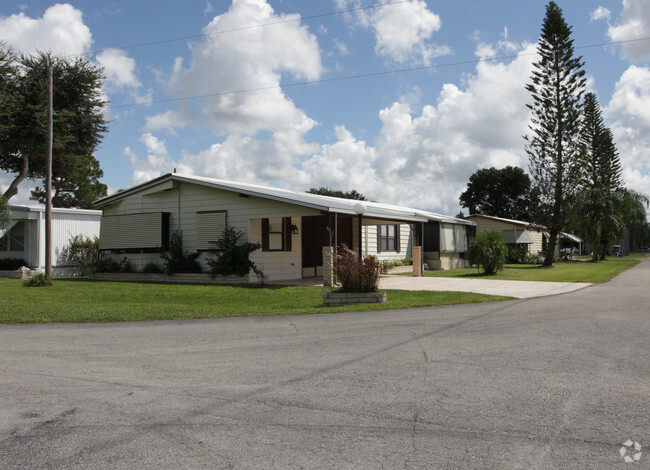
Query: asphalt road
{"x": 554, "y": 382}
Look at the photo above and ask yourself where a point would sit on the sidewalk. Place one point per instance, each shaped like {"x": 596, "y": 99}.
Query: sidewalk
{"x": 519, "y": 289}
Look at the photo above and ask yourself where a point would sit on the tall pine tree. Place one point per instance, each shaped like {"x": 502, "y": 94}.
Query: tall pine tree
{"x": 596, "y": 204}
{"x": 557, "y": 85}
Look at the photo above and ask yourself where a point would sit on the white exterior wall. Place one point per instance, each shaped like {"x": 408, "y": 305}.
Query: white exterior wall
{"x": 66, "y": 223}
{"x": 405, "y": 242}
{"x": 483, "y": 224}
{"x": 243, "y": 214}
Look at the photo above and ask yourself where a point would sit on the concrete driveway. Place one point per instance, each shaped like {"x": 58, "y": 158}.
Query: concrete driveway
{"x": 518, "y": 289}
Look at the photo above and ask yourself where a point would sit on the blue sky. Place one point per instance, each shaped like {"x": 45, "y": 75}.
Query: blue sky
{"x": 453, "y": 102}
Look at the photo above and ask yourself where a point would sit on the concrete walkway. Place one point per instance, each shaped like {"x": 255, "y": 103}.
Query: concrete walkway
{"x": 519, "y": 289}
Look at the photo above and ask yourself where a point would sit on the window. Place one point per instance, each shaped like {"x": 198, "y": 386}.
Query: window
{"x": 453, "y": 237}
{"x": 209, "y": 228}
{"x": 388, "y": 238}
{"x": 14, "y": 238}
{"x": 276, "y": 234}
{"x": 135, "y": 232}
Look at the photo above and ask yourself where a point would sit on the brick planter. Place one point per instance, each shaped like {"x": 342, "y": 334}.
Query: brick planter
{"x": 333, "y": 299}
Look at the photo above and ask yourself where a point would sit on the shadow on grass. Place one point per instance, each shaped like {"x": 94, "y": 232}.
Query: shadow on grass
{"x": 85, "y": 280}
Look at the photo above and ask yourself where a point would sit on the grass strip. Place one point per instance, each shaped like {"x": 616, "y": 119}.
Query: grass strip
{"x": 563, "y": 271}
{"x": 84, "y": 301}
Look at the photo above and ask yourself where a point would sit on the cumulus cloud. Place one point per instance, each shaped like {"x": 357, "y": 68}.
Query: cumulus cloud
{"x": 153, "y": 165}
{"x": 424, "y": 158}
{"x": 119, "y": 69}
{"x": 402, "y": 31}
{"x": 600, "y": 13}
{"x": 61, "y": 31}
{"x": 220, "y": 64}
{"x": 634, "y": 23}
{"x": 629, "y": 110}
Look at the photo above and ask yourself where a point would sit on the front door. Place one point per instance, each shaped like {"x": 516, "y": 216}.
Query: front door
{"x": 315, "y": 235}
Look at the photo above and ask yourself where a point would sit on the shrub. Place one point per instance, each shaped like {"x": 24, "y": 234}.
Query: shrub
{"x": 38, "y": 280}
{"x": 533, "y": 258}
{"x": 355, "y": 274}
{"x": 229, "y": 257}
{"x": 152, "y": 268}
{"x": 81, "y": 252}
{"x": 11, "y": 264}
{"x": 488, "y": 250}
{"x": 177, "y": 260}
{"x": 517, "y": 253}
{"x": 125, "y": 266}
{"x": 106, "y": 265}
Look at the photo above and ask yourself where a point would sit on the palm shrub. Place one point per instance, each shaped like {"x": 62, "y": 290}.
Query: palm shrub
{"x": 230, "y": 257}
{"x": 488, "y": 250}
{"x": 38, "y": 280}
{"x": 177, "y": 260}
{"x": 356, "y": 274}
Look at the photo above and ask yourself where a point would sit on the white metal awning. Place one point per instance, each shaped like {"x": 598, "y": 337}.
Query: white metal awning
{"x": 5, "y": 230}
{"x": 517, "y": 236}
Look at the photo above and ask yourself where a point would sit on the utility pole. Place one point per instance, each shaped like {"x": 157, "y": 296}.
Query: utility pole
{"x": 48, "y": 173}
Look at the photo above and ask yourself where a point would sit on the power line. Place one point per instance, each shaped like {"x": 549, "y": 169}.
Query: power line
{"x": 352, "y": 77}
{"x": 244, "y": 28}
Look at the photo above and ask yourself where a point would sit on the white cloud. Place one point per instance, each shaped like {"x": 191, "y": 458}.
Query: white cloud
{"x": 600, "y": 13}
{"x": 402, "y": 31}
{"x": 220, "y": 64}
{"x": 425, "y": 160}
{"x": 629, "y": 110}
{"x": 119, "y": 69}
{"x": 154, "y": 145}
{"x": 151, "y": 167}
{"x": 634, "y": 23}
{"x": 61, "y": 31}
{"x": 169, "y": 120}
{"x": 421, "y": 158}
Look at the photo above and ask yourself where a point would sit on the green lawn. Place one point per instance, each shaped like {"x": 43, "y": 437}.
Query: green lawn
{"x": 81, "y": 300}
{"x": 563, "y": 271}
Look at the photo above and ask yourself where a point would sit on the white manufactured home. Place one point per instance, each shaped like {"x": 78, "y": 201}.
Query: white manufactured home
{"x": 291, "y": 227}
{"x": 533, "y": 236}
{"x": 24, "y": 237}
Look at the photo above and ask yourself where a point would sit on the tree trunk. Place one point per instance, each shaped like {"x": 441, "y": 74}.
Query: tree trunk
{"x": 550, "y": 249}
{"x": 12, "y": 190}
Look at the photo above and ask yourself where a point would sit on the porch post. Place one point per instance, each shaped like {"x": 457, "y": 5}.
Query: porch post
{"x": 360, "y": 209}
{"x": 417, "y": 261}
{"x": 328, "y": 267}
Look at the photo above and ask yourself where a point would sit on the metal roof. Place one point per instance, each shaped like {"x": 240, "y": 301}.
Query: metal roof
{"x": 314, "y": 201}
{"x": 510, "y": 221}
{"x": 517, "y": 236}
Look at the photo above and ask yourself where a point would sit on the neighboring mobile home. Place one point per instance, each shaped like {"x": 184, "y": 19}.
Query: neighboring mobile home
{"x": 292, "y": 227}
{"x": 533, "y": 236}
{"x": 24, "y": 237}
{"x": 514, "y": 231}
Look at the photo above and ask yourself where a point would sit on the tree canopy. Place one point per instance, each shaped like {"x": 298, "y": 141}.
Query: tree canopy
{"x": 79, "y": 124}
{"x": 5, "y": 212}
{"x": 502, "y": 192}
{"x": 553, "y": 145}
{"x": 323, "y": 191}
